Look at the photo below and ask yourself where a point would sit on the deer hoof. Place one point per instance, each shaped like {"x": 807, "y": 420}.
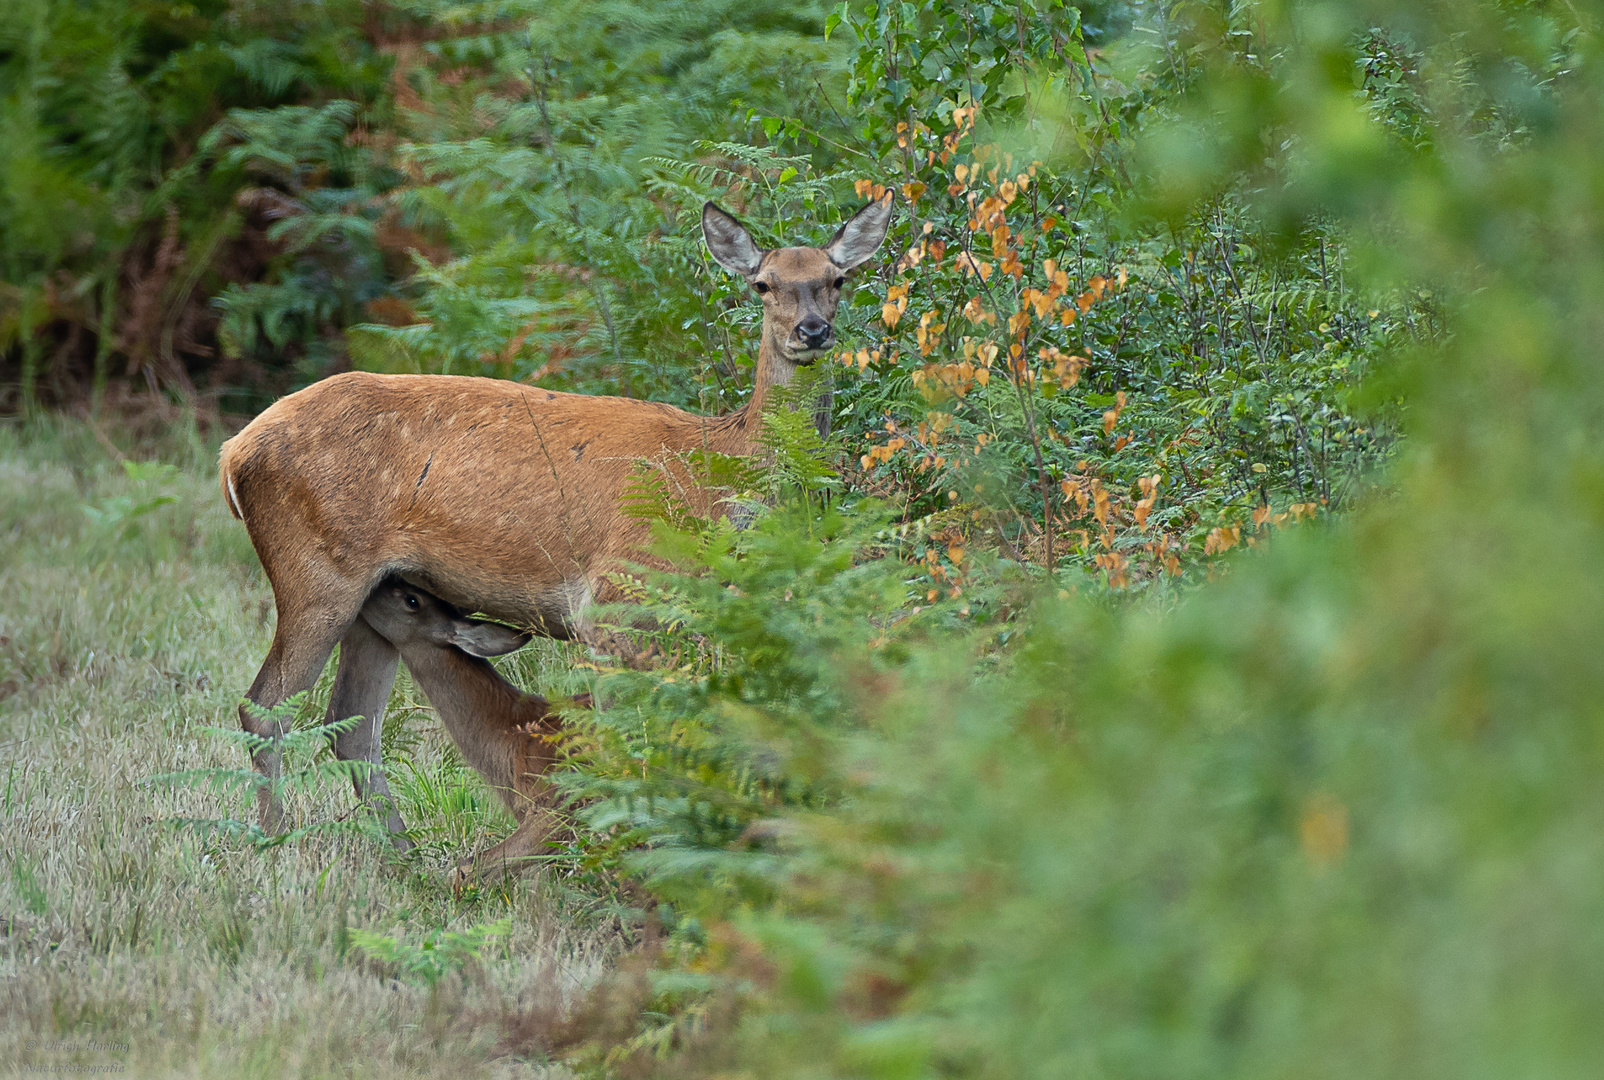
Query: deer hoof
{"x": 460, "y": 877}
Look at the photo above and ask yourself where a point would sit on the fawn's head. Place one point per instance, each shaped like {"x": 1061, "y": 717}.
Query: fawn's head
{"x": 800, "y": 286}
{"x": 408, "y": 616}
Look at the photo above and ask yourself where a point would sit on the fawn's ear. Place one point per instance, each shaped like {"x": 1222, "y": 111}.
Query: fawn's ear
{"x": 486, "y": 639}
{"x": 862, "y": 235}
{"x": 731, "y": 245}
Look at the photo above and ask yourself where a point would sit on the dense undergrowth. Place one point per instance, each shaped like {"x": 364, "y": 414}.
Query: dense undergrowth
{"x": 207, "y": 206}
{"x": 953, "y": 765}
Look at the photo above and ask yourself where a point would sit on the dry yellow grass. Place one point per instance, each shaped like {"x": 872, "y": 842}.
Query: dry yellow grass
{"x": 128, "y": 943}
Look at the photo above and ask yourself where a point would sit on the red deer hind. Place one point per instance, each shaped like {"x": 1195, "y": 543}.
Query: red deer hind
{"x": 495, "y": 496}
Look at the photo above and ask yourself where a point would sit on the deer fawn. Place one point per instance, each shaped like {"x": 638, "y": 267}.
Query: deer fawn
{"x": 502, "y": 732}
{"x": 493, "y": 495}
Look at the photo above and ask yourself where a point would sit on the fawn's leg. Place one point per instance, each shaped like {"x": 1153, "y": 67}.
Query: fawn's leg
{"x": 513, "y": 855}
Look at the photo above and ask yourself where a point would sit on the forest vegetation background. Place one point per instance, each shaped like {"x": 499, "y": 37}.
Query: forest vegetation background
{"x": 984, "y": 751}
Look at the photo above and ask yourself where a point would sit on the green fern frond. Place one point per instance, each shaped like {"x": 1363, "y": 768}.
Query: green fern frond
{"x": 436, "y": 954}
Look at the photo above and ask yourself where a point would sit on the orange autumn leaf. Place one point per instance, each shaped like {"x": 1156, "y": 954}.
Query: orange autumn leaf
{"x": 1323, "y": 830}
{"x": 970, "y": 265}
{"x": 976, "y": 312}
{"x": 1111, "y": 417}
{"x": 1222, "y": 539}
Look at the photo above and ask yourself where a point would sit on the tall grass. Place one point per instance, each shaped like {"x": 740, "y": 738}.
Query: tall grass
{"x": 189, "y": 955}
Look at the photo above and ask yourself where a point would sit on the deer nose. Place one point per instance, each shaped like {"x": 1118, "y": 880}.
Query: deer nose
{"x": 814, "y": 332}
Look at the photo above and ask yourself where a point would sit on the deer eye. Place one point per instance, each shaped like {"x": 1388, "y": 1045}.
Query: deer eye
{"x": 840, "y": 281}
{"x": 412, "y": 603}
{"x": 762, "y": 287}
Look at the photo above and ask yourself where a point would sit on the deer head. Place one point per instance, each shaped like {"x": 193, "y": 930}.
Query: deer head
{"x": 800, "y": 286}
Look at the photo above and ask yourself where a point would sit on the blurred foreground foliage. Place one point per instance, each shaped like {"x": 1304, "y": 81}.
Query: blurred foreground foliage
{"x": 1334, "y": 815}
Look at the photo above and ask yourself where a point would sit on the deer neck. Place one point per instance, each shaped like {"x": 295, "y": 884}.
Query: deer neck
{"x": 773, "y": 370}
{"x": 478, "y": 707}
{"x": 493, "y": 723}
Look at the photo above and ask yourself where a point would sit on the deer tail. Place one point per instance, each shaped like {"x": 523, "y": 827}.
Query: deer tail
{"x": 226, "y": 469}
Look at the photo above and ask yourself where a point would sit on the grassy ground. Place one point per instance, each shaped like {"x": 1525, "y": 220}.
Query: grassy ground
{"x": 126, "y": 630}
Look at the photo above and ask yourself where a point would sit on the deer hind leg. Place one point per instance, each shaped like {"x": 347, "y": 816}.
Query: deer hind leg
{"x": 362, "y": 683}
{"x": 305, "y": 636}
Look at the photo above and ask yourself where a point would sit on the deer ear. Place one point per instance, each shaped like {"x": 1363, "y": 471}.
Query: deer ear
{"x": 729, "y": 242}
{"x": 854, "y": 242}
{"x": 486, "y": 639}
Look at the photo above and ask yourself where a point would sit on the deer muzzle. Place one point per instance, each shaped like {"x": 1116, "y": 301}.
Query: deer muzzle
{"x": 813, "y": 334}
